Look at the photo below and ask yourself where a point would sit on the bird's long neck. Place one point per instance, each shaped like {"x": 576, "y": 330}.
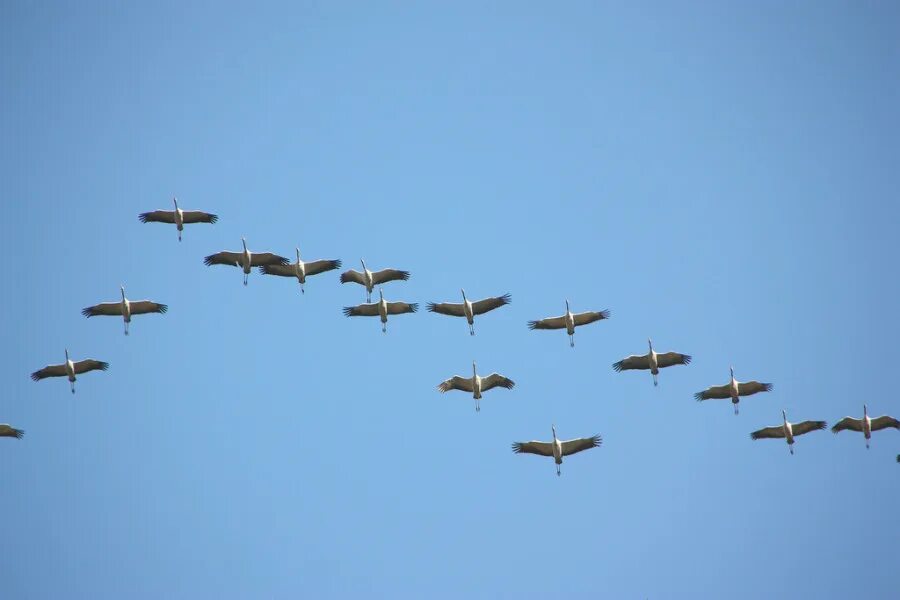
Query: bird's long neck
{"x": 865, "y": 411}
{"x": 363, "y": 265}
{"x": 123, "y": 293}
{"x": 175, "y": 200}
{"x": 474, "y": 370}
{"x": 244, "y": 242}
{"x": 650, "y": 344}
{"x": 67, "y": 355}
{"x": 298, "y": 256}
{"x": 463, "y": 295}
{"x": 784, "y": 417}
{"x": 567, "y": 307}
{"x": 554, "y": 434}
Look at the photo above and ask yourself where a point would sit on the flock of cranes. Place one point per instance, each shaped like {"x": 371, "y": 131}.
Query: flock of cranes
{"x": 276, "y": 265}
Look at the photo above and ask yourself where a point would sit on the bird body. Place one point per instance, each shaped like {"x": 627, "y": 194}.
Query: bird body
{"x": 370, "y": 279}
{"x": 476, "y": 384}
{"x": 569, "y": 321}
{"x": 866, "y": 425}
{"x": 652, "y": 361}
{"x": 557, "y": 448}
{"x": 179, "y": 217}
{"x": 788, "y": 430}
{"x": 381, "y": 309}
{"x": 734, "y": 389}
{"x": 469, "y": 309}
{"x": 70, "y": 369}
{"x": 124, "y": 308}
{"x": 245, "y": 259}
{"x": 301, "y": 269}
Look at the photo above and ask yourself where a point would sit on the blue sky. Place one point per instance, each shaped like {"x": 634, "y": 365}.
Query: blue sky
{"x": 722, "y": 176}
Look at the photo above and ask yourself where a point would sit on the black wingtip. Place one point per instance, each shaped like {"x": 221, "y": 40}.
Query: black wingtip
{"x": 208, "y": 261}
{"x": 86, "y": 312}
{"x": 213, "y": 218}
{"x": 18, "y": 433}
{"x": 404, "y": 275}
{"x": 337, "y": 264}
{"x": 605, "y": 314}
{"x": 163, "y": 308}
{"x": 143, "y": 217}
{"x": 348, "y": 311}
{"x": 103, "y": 366}
{"x": 517, "y": 447}
{"x": 35, "y": 376}
{"x": 768, "y": 387}
{"x": 617, "y": 366}
{"x": 698, "y": 396}
{"x": 532, "y": 325}
{"x": 414, "y": 307}
{"x": 263, "y": 269}
{"x": 505, "y": 299}
{"x": 430, "y": 306}
{"x": 687, "y": 359}
{"x": 598, "y": 440}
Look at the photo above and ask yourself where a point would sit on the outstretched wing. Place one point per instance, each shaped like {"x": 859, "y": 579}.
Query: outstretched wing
{"x": 352, "y": 276}
{"x": 669, "y": 359}
{"x": 716, "y": 392}
{"x": 496, "y": 380}
{"x": 548, "y": 323}
{"x": 157, "y": 216}
{"x": 748, "y": 388}
{"x": 223, "y": 258}
{"x": 142, "y": 307}
{"x": 83, "y": 366}
{"x": 768, "y": 432}
{"x": 589, "y": 317}
{"x": 280, "y": 270}
{"x": 106, "y": 308}
{"x": 49, "y": 371}
{"x": 399, "y": 308}
{"x": 847, "y": 423}
{"x": 198, "y": 216}
{"x": 386, "y": 275}
{"x": 447, "y": 308}
{"x": 363, "y": 310}
{"x": 807, "y": 426}
{"x": 488, "y": 304}
{"x": 457, "y": 383}
{"x": 632, "y": 362}
{"x": 533, "y": 447}
{"x": 7, "y": 430}
{"x": 577, "y": 445}
{"x": 320, "y": 266}
{"x": 884, "y": 422}
{"x": 267, "y": 258}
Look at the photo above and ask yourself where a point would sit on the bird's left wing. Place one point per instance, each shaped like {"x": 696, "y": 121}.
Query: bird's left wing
{"x": 157, "y": 216}
{"x": 748, "y": 388}
{"x": 807, "y": 426}
{"x": 280, "y": 270}
{"x": 884, "y": 422}
{"x": 577, "y": 445}
{"x": 267, "y": 258}
{"x": 668, "y": 359}
{"x": 548, "y": 323}
{"x": 105, "y": 308}
{"x": 142, "y": 307}
{"x": 83, "y": 366}
{"x": 456, "y": 383}
{"x": 716, "y": 392}
{"x": 533, "y": 447}
{"x": 223, "y": 258}
{"x": 198, "y": 216}
{"x": 399, "y": 308}
{"x": 386, "y": 275}
{"x": 483, "y": 306}
{"x": 496, "y": 380}
{"x": 768, "y": 432}
{"x": 446, "y": 308}
{"x": 632, "y": 362}
{"x": 847, "y": 423}
{"x": 589, "y": 317}
{"x": 49, "y": 371}
{"x": 320, "y": 266}
{"x": 362, "y": 310}
{"x": 7, "y": 430}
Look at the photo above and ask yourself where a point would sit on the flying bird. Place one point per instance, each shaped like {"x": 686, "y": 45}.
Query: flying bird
{"x": 734, "y": 389}
{"x": 179, "y": 217}
{"x": 70, "y": 369}
{"x": 244, "y": 259}
{"x": 382, "y": 309}
{"x": 125, "y": 308}
{"x": 652, "y": 361}
{"x": 475, "y": 384}
{"x": 557, "y": 448}
{"x": 469, "y": 309}
{"x": 787, "y": 430}
{"x": 569, "y": 321}
{"x": 301, "y": 269}
{"x": 370, "y": 279}
{"x": 7, "y": 430}
{"x": 866, "y": 425}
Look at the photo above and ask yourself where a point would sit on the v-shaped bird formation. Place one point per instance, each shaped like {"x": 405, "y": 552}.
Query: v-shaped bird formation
{"x": 276, "y": 265}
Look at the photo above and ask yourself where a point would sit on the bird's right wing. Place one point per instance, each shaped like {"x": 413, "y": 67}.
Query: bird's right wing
{"x": 807, "y": 426}
{"x": 352, "y": 276}
{"x": 847, "y": 423}
{"x": 320, "y": 266}
{"x": 7, "y": 430}
{"x": 267, "y": 258}
{"x": 669, "y": 359}
{"x": 577, "y": 445}
{"x": 49, "y": 371}
{"x": 83, "y": 366}
{"x": 457, "y": 383}
{"x": 363, "y": 310}
{"x": 447, "y": 308}
{"x": 768, "y": 432}
{"x": 399, "y": 308}
{"x": 632, "y": 362}
{"x": 533, "y": 447}
{"x": 884, "y": 422}
{"x": 589, "y": 317}
{"x": 748, "y": 388}
{"x": 280, "y": 270}
{"x": 106, "y": 308}
{"x": 716, "y": 392}
{"x": 223, "y": 258}
{"x": 548, "y": 323}
{"x": 386, "y": 275}
{"x": 157, "y": 216}
{"x": 482, "y": 306}
{"x": 143, "y": 307}
{"x": 496, "y": 380}
{"x": 198, "y": 216}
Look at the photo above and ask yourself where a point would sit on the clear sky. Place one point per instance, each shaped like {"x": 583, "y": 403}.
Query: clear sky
{"x": 722, "y": 176}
